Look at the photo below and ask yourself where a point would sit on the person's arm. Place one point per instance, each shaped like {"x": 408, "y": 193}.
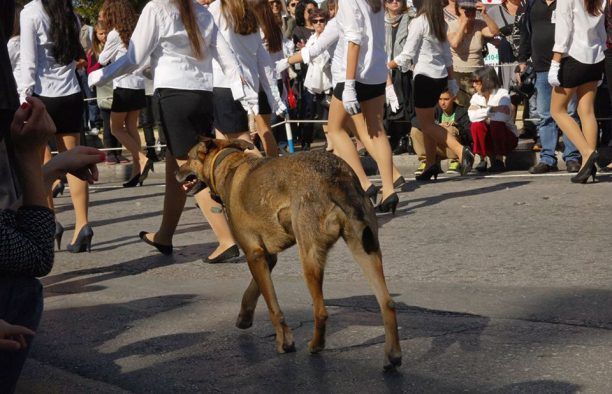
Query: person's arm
{"x": 111, "y": 47}
{"x": 455, "y": 36}
{"x": 329, "y": 37}
{"x": 28, "y": 46}
{"x": 267, "y": 79}
{"x": 491, "y": 30}
{"x": 477, "y": 112}
{"x": 563, "y": 28}
{"x": 524, "y": 52}
{"x": 223, "y": 54}
{"x": 413, "y": 43}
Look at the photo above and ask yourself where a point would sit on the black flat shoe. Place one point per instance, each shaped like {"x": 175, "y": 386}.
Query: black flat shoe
{"x": 163, "y": 249}
{"x": 389, "y": 204}
{"x": 83, "y": 241}
{"x": 229, "y": 255}
{"x": 372, "y": 193}
{"x": 399, "y": 182}
{"x": 589, "y": 169}
{"x": 467, "y": 160}
{"x": 432, "y": 171}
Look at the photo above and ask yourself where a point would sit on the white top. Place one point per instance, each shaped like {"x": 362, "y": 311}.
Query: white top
{"x": 326, "y": 43}
{"x": 40, "y": 72}
{"x": 431, "y": 56}
{"x": 113, "y": 50}
{"x": 13, "y": 51}
{"x": 318, "y": 77}
{"x": 357, "y": 23}
{"x": 479, "y": 109}
{"x": 161, "y": 37}
{"x": 254, "y": 60}
{"x": 579, "y": 34}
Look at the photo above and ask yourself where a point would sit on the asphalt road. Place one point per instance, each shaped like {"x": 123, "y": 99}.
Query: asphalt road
{"x": 503, "y": 284}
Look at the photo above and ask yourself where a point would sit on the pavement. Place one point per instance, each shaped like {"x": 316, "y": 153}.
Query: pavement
{"x": 503, "y": 284}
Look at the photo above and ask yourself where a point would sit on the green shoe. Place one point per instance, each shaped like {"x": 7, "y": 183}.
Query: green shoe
{"x": 421, "y": 168}
{"x": 453, "y": 167}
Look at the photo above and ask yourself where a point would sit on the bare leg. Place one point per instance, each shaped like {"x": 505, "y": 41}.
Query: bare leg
{"x": 213, "y": 212}
{"x": 131, "y": 124}
{"x": 265, "y": 133}
{"x": 46, "y": 157}
{"x": 120, "y": 130}
{"x": 436, "y": 135}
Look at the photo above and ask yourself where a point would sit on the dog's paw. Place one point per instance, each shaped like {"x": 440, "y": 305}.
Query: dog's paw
{"x": 391, "y": 363}
{"x": 315, "y": 348}
{"x": 244, "y": 322}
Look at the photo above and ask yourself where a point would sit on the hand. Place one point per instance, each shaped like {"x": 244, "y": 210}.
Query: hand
{"x": 281, "y": 108}
{"x": 349, "y": 98}
{"x": 300, "y": 44}
{"x": 79, "y": 161}
{"x": 453, "y": 87}
{"x": 94, "y": 78}
{"x": 282, "y": 65}
{"x": 391, "y": 98}
{"x": 482, "y": 8}
{"x": 12, "y": 338}
{"x": 81, "y": 63}
{"x": 553, "y": 73}
{"x": 32, "y": 127}
{"x": 392, "y": 65}
{"x": 522, "y": 67}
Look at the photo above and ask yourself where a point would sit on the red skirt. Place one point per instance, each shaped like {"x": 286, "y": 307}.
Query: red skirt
{"x": 494, "y": 139}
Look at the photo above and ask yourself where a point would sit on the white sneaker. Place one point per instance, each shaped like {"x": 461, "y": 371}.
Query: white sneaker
{"x": 94, "y": 131}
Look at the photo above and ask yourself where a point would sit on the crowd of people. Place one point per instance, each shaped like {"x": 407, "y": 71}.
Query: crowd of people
{"x": 378, "y": 73}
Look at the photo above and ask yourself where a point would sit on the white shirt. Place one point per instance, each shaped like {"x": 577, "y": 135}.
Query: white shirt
{"x": 113, "y": 50}
{"x": 579, "y": 34}
{"x": 13, "y": 51}
{"x": 318, "y": 77}
{"x": 254, "y": 60}
{"x": 431, "y": 57}
{"x": 326, "y": 43}
{"x": 161, "y": 37}
{"x": 40, "y": 72}
{"x": 357, "y": 23}
{"x": 479, "y": 109}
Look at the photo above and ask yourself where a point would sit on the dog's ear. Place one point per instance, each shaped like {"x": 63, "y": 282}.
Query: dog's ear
{"x": 205, "y": 146}
{"x": 240, "y": 144}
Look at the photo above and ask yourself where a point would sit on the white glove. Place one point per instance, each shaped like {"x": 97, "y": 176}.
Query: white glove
{"x": 281, "y": 108}
{"x": 553, "y": 73}
{"x": 94, "y": 78}
{"x": 250, "y": 101}
{"x": 453, "y": 87}
{"x": 282, "y": 65}
{"x": 349, "y": 98}
{"x": 391, "y": 98}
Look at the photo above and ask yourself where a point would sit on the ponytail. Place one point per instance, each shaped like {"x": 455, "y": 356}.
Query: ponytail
{"x": 191, "y": 26}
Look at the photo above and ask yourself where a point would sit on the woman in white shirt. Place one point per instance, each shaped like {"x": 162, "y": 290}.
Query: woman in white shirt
{"x": 49, "y": 49}
{"x": 428, "y": 47}
{"x": 239, "y": 26}
{"x": 180, "y": 39}
{"x": 128, "y": 90}
{"x": 577, "y": 66}
{"x": 493, "y": 130}
{"x": 359, "y": 94}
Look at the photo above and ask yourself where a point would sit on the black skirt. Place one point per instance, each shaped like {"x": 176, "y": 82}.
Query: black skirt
{"x": 573, "y": 73}
{"x": 126, "y": 100}
{"x": 365, "y": 92}
{"x": 185, "y": 115}
{"x": 229, "y": 115}
{"x": 427, "y": 90}
{"x": 66, "y": 112}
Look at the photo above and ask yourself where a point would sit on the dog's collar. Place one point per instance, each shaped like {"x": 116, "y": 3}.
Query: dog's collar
{"x": 217, "y": 159}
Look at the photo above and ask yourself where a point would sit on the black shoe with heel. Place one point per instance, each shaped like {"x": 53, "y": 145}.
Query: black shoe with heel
{"x": 59, "y": 189}
{"x": 59, "y": 231}
{"x": 399, "y": 182}
{"x": 388, "y": 204}
{"x": 163, "y": 249}
{"x": 83, "y": 241}
{"x": 589, "y": 169}
{"x": 432, "y": 171}
{"x": 372, "y": 193}
{"x": 145, "y": 171}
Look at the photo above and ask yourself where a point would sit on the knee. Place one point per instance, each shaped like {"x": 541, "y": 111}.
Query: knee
{"x": 478, "y": 128}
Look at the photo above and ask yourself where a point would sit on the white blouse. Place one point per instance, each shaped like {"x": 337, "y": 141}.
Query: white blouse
{"x": 113, "y": 50}
{"x": 480, "y": 108}
{"x": 326, "y": 43}
{"x": 13, "y": 51}
{"x": 40, "y": 72}
{"x": 357, "y": 23}
{"x": 160, "y": 37}
{"x": 579, "y": 34}
{"x": 254, "y": 60}
{"x": 432, "y": 58}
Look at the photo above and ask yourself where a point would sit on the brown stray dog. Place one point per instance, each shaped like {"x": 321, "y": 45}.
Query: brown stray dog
{"x": 312, "y": 199}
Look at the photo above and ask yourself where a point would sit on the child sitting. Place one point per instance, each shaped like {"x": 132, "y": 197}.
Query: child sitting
{"x": 493, "y": 129}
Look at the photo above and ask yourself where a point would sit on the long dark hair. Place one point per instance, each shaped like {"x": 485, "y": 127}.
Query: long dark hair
{"x": 273, "y": 35}
{"x": 592, "y": 7}
{"x": 434, "y": 12}
{"x": 64, "y": 30}
{"x": 191, "y": 26}
{"x": 375, "y": 5}
{"x": 239, "y": 16}
{"x": 16, "y": 24}
{"x": 121, "y": 16}
{"x": 299, "y": 11}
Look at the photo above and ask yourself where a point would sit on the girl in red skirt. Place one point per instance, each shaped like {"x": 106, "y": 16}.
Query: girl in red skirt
{"x": 493, "y": 129}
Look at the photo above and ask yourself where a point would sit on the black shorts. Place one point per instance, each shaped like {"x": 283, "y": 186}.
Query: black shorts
{"x": 126, "y": 100}
{"x": 573, "y": 73}
{"x": 66, "y": 112}
{"x": 264, "y": 105}
{"x": 185, "y": 115}
{"x": 365, "y": 92}
{"x": 427, "y": 90}
{"x": 229, "y": 116}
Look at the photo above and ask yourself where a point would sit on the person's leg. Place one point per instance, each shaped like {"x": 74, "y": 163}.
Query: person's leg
{"x": 503, "y": 140}
{"x": 547, "y": 129}
{"x": 120, "y": 131}
{"x": 586, "y": 112}
{"x": 437, "y": 134}
{"x": 571, "y": 152}
{"x": 79, "y": 190}
{"x": 147, "y": 122}
{"x": 446, "y": 152}
{"x": 307, "y": 113}
{"x": 131, "y": 124}
{"x": 265, "y": 134}
{"x": 418, "y": 142}
{"x": 479, "y": 136}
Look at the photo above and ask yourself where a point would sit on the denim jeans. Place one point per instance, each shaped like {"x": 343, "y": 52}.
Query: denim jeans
{"x": 547, "y": 128}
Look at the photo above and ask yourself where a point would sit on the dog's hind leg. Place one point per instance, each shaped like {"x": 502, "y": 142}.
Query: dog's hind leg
{"x": 371, "y": 265}
{"x": 260, "y": 270}
{"x": 250, "y": 298}
{"x": 313, "y": 264}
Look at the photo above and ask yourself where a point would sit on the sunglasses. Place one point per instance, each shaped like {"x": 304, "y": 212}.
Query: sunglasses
{"x": 292, "y": 5}
{"x": 392, "y": 1}
{"x": 314, "y": 21}
{"x": 476, "y": 81}
{"x": 274, "y": 2}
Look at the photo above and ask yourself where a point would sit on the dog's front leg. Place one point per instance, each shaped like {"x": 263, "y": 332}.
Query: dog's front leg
{"x": 258, "y": 264}
{"x": 250, "y": 298}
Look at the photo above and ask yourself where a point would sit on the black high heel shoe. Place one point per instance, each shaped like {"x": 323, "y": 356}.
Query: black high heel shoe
{"x": 83, "y": 241}
{"x": 467, "y": 160}
{"x": 145, "y": 171}
{"x": 59, "y": 231}
{"x": 372, "y": 193}
{"x": 399, "y": 182}
{"x": 389, "y": 204}
{"x": 589, "y": 169}
{"x": 432, "y": 171}
{"x": 59, "y": 189}
{"x": 132, "y": 182}
{"x": 163, "y": 249}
